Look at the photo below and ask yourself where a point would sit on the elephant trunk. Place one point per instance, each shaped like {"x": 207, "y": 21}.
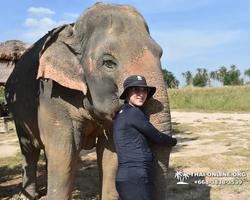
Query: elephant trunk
{"x": 158, "y": 110}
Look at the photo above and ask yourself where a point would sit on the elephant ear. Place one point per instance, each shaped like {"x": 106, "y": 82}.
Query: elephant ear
{"x": 59, "y": 62}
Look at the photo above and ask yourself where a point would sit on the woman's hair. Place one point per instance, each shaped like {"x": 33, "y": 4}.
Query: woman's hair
{"x": 115, "y": 111}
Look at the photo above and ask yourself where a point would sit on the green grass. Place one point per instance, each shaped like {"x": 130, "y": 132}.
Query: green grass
{"x": 12, "y": 166}
{"x": 223, "y": 99}
{"x": 8, "y": 136}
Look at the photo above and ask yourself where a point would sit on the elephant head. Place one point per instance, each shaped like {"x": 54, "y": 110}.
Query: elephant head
{"x": 95, "y": 55}
{"x": 105, "y": 45}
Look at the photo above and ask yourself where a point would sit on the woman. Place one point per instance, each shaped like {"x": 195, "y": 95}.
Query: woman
{"x": 131, "y": 132}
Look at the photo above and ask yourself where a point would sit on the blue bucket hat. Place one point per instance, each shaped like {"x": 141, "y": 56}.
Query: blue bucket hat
{"x": 137, "y": 81}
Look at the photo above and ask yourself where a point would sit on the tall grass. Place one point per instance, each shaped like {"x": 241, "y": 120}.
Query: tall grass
{"x": 226, "y": 98}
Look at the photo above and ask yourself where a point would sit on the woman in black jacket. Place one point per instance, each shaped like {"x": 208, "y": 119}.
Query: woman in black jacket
{"x": 131, "y": 132}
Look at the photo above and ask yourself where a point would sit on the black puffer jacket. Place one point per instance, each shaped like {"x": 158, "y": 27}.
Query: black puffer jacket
{"x": 131, "y": 132}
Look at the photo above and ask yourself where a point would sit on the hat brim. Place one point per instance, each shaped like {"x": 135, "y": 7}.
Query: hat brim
{"x": 150, "y": 93}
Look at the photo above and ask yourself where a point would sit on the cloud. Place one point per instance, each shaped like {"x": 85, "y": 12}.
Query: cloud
{"x": 31, "y": 22}
{"x": 41, "y": 10}
{"x": 43, "y": 23}
{"x": 37, "y": 28}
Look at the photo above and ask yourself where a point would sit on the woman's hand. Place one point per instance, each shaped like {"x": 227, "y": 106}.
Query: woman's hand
{"x": 171, "y": 148}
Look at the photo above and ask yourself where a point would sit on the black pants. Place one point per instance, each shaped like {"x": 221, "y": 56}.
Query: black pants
{"x": 135, "y": 189}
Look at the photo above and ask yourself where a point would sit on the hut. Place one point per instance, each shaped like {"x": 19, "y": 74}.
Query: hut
{"x": 10, "y": 52}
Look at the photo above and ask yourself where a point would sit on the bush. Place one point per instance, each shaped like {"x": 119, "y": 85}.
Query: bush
{"x": 2, "y": 95}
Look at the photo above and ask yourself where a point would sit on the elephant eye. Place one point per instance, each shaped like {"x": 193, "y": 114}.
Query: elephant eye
{"x": 109, "y": 62}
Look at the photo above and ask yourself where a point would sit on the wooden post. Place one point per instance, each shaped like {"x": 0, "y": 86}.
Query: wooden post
{"x": 6, "y": 124}
{"x": 5, "y": 121}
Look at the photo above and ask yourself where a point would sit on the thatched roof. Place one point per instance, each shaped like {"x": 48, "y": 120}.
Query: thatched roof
{"x": 6, "y": 68}
{"x": 10, "y": 51}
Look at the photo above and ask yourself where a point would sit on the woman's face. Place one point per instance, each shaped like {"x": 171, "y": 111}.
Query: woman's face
{"x": 136, "y": 96}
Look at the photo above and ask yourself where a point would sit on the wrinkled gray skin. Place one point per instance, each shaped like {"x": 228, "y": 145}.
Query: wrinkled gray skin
{"x": 63, "y": 89}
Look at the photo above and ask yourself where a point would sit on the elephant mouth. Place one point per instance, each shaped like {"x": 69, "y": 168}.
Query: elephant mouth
{"x": 101, "y": 122}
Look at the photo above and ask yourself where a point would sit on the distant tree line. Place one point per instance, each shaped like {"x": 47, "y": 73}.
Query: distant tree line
{"x": 203, "y": 78}
{"x": 170, "y": 79}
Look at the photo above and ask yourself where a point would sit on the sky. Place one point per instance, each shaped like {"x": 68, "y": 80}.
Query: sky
{"x": 193, "y": 34}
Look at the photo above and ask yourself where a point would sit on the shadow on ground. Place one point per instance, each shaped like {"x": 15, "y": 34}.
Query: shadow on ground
{"x": 190, "y": 191}
{"x": 86, "y": 183}
{"x": 195, "y": 189}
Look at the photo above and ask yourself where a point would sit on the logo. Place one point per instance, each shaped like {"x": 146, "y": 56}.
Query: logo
{"x": 139, "y": 78}
{"x": 121, "y": 111}
{"x": 181, "y": 176}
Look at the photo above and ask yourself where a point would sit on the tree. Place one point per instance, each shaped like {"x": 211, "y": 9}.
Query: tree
{"x": 233, "y": 67}
{"x": 213, "y": 75}
{"x": 222, "y": 73}
{"x": 232, "y": 77}
{"x": 247, "y": 73}
{"x": 170, "y": 79}
{"x": 201, "y": 78}
{"x": 189, "y": 78}
{"x": 175, "y": 83}
{"x": 199, "y": 70}
{"x": 205, "y": 75}
{"x": 184, "y": 75}
{"x": 199, "y": 81}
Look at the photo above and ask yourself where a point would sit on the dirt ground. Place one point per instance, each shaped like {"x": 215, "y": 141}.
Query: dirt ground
{"x": 86, "y": 180}
{"x": 220, "y": 143}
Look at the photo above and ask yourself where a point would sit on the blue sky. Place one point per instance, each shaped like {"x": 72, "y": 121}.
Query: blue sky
{"x": 193, "y": 34}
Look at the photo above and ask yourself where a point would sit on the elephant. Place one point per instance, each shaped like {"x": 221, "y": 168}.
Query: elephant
{"x": 64, "y": 88}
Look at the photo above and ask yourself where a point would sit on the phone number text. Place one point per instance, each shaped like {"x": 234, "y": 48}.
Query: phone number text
{"x": 218, "y": 182}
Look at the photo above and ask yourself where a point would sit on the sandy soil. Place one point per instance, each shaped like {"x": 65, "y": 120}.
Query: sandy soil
{"x": 87, "y": 161}
{"x": 197, "y": 147}
{"x": 239, "y": 125}
{"x": 6, "y": 149}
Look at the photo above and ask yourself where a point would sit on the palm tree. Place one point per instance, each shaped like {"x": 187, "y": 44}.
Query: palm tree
{"x": 175, "y": 83}
{"x": 233, "y": 67}
{"x": 247, "y": 73}
{"x": 222, "y": 73}
{"x": 238, "y": 72}
{"x": 183, "y": 74}
{"x": 189, "y": 78}
{"x": 205, "y": 74}
{"x": 199, "y": 70}
{"x": 201, "y": 79}
{"x": 212, "y": 75}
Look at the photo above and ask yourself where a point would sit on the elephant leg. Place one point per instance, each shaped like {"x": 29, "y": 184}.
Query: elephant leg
{"x": 107, "y": 163}
{"x": 62, "y": 159}
{"x": 30, "y": 156}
